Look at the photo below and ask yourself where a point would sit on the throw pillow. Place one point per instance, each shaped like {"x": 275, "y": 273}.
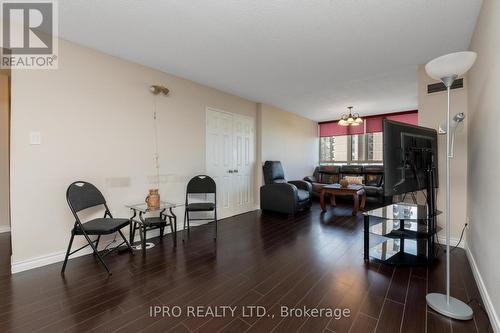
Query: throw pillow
{"x": 373, "y": 180}
{"x": 355, "y": 180}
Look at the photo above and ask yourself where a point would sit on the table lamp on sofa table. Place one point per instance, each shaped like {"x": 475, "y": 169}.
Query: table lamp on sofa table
{"x": 447, "y": 68}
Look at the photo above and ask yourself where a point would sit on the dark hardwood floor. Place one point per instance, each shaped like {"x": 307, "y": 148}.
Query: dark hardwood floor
{"x": 312, "y": 260}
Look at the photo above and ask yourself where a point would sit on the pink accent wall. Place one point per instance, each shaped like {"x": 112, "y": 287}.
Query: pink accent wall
{"x": 373, "y": 124}
{"x": 334, "y": 129}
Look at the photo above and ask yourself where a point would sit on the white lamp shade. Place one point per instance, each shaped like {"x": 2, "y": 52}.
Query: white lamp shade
{"x": 457, "y": 63}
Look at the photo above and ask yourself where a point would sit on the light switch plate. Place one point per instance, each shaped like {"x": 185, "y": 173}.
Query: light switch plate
{"x": 35, "y": 138}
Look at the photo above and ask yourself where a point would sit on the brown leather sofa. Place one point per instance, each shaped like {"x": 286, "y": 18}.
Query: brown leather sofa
{"x": 373, "y": 179}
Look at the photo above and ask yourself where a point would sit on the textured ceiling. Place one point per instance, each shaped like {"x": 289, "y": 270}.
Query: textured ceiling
{"x": 313, "y": 58}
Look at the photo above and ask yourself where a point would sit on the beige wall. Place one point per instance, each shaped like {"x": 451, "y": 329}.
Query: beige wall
{"x": 484, "y": 152}
{"x": 95, "y": 118}
{"x": 288, "y": 138}
{"x": 4, "y": 152}
{"x": 431, "y": 112}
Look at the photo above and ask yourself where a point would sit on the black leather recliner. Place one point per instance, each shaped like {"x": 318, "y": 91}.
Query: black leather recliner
{"x": 280, "y": 195}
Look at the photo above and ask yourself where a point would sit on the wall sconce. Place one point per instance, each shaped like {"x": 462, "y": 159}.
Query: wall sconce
{"x": 157, "y": 89}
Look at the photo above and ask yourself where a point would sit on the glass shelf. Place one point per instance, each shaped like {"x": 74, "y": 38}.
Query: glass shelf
{"x": 397, "y": 251}
{"x": 409, "y": 229}
{"x": 403, "y": 211}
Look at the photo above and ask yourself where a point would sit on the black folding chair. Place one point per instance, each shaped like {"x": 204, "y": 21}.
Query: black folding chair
{"x": 82, "y": 195}
{"x": 201, "y": 184}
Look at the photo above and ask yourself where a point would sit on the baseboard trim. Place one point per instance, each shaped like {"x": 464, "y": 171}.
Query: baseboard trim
{"x": 490, "y": 309}
{"x": 55, "y": 257}
{"x": 58, "y": 256}
{"x": 4, "y": 229}
{"x": 453, "y": 242}
{"x": 51, "y": 258}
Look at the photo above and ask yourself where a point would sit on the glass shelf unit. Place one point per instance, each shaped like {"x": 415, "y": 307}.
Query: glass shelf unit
{"x": 408, "y": 231}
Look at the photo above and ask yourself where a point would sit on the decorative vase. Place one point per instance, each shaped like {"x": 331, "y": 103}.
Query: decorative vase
{"x": 153, "y": 199}
{"x": 344, "y": 183}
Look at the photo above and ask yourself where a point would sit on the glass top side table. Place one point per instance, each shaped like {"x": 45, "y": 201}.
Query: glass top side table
{"x": 143, "y": 207}
{"x": 166, "y": 217}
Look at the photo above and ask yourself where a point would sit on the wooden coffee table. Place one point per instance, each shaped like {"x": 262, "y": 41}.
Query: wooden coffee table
{"x": 336, "y": 189}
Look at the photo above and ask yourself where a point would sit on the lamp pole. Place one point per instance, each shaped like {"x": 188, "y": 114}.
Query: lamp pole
{"x": 447, "y": 68}
{"x": 448, "y": 199}
{"x": 448, "y": 81}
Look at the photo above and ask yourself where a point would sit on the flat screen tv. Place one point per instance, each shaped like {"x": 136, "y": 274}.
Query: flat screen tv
{"x": 409, "y": 152}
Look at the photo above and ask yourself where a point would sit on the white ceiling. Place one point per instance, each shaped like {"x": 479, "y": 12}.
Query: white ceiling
{"x": 311, "y": 57}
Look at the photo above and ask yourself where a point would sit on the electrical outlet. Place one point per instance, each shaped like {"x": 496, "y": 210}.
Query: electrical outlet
{"x": 35, "y": 138}
{"x": 469, "y": 220}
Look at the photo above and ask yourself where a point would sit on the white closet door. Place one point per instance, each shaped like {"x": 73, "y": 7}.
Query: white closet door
{"x": 230, "y": 160}
{"x": 219, "y": 159}
{"x": 244, "y": 162}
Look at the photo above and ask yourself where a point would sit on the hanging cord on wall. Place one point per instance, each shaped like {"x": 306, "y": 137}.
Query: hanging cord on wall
{"x": 155, "y": 132}
{"x": 156, "y": 90}
{"x": 459, "y": 241}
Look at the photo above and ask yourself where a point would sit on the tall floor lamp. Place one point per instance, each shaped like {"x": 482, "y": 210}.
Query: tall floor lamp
{"x": 447, "y": 68}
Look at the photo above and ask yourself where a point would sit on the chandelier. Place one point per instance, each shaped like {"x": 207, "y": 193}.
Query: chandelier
{"x": 350, "y": 119}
